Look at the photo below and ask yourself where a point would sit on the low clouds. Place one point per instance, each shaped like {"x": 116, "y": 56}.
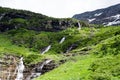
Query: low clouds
{"x": 58, "y": 8}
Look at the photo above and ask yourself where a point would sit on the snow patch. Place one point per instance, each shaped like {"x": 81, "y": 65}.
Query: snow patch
{"x": 116, "y": 16}
{"x": 90, "y": 20}
{"x": 98, "y": 14}
{"x": 113, "y": 23}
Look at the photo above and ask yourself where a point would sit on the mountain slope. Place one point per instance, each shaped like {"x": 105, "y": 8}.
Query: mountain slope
{"x": 99, "y": 63}
{"x": 107, "y": 16}
{"x": 14, "y": 19}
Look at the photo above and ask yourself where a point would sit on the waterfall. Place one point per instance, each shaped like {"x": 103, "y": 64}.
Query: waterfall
{"x": 79, "y": 26}
{"x": 69, "y": 49}
{"x": 38, "y": 70}
{"x": 46, "y": 50}
{"x": 2, "y": 16}
{"x": 44, "y": 63}
{"x": 62, "y": 40}
{"x": 73, "y": 46}
{"x": 20, "y": 69}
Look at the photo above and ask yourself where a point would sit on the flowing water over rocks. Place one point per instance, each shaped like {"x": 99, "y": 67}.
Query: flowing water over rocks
{"x": 46, "y": 49}
{"x": 13, "y": 68}
{"x": 79, "y": 26}
{"x": 20, "y": 68}
{"x": 40, "y": 68}
{"x": 62, "y": 40}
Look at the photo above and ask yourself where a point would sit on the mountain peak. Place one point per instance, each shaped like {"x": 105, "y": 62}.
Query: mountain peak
{"x": 106, "y": 16}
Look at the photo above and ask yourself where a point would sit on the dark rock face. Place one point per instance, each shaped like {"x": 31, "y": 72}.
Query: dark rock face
{"x": 107, "y": 16}
{"x": 52, "y": 25}
{"x": 5, "y": 27}
{"x": 14, "y": 19}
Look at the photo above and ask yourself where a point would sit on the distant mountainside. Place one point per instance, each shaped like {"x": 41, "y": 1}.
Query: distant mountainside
{"x": 14, "y": 19}
{"x": 107, "y": 16}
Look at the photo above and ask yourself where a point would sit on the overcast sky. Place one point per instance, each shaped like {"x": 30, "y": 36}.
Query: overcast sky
{"x": 58, "y": 8}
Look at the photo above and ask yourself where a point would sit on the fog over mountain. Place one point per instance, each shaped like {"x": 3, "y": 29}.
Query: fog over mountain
{"x": 58, "y": 8}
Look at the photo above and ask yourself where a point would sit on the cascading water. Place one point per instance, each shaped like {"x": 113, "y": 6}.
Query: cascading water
{"x": 47, "y": 49}
{"x": 20, "y": 69}
{"x": 38, "y": 70}
{"x": 79, "y": 26}
{"x": 62, "y": 40}
{"x": 44, "y": 63}
{"x": 73, "y": 46}
{"x": 69, "y": 49}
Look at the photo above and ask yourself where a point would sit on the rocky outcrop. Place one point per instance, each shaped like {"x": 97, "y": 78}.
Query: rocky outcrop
{"x": 8, "y": 68}
{"x": 14, "y": 19}
{"x": 107, "y": 16}
{"x": 38, "y": 69}
{"x": 54, "y": 25}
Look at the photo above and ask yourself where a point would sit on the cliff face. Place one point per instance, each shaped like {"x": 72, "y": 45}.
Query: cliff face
{"x": 107, "y": 16}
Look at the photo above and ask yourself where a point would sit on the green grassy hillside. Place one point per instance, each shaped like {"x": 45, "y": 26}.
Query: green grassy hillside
{"x": 100, "y": 63}
{"x": 97, "y": 51}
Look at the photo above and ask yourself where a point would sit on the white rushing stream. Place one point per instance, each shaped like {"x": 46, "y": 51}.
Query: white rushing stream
{"x": 44, "y": 63}
{"x": 47, "y": 49}
{"x": 70, "y": 48}
{"x": 36, "y": 74}
{"x": 79, "y": 26}
{"x": 20, "y": 69}
{"x": 62, "y": 40}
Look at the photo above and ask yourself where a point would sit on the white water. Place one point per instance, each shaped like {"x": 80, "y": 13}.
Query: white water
{"x": 2, "y": 16}
{"x": 69, "y": 49}
{"x": 62, "y": 40}
{"x": 79, "y": 26}
{"x": 47, "y": 49}
{"x": 34, "y": 74}
{"x": 44, "y": 63}
{"x": 20, "y": 69}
